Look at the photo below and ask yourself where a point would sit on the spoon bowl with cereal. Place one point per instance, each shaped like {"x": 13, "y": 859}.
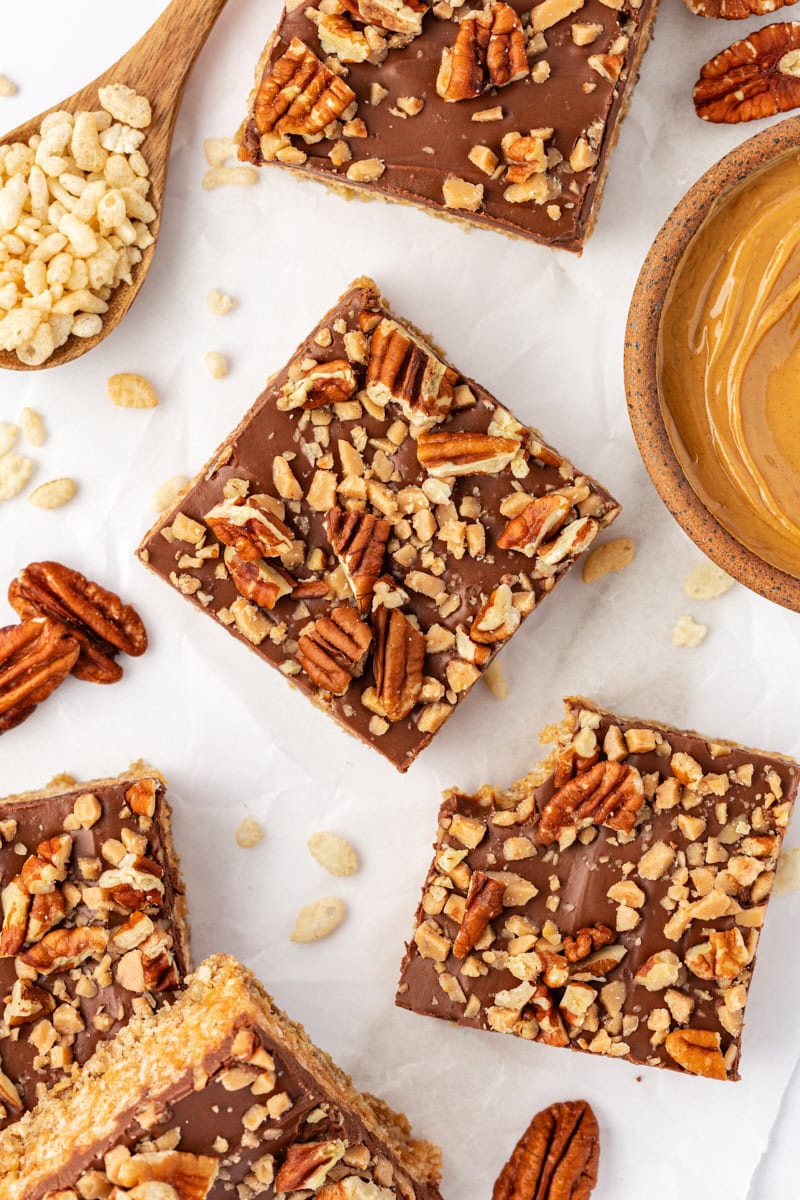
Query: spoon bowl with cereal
{"x": 81, "y": 193}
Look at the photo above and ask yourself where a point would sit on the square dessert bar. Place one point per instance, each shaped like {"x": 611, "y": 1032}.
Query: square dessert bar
{"x": 611, "y": 901}
{"x": 94, "y": 924}
{"x": 377, "y": 526}
{"x": 219, "y": 1095}
{"x": 501, "y": 115}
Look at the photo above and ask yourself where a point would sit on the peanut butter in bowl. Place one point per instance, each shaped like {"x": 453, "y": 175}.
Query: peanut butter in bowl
{"x": 729, "y": 362}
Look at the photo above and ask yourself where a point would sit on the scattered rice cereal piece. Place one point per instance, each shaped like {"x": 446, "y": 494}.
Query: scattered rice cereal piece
{"x": 243, "y": 176}
{"x": 607, "y": 557}
{"x": 249, "y": 834}
{"x": 15, "y": 471}
{"x": 32, "y": 426}
{"x": 318, "y": 919}
{"x": 220, "y": 303}
{"x": 53, "y": 494}
{"x": 495, "y": 680}
{"x": 125, "y": 105}
{"x": 787, "y": 876}
{"x": 334, "y": 853}
{"x": 219, "y": 150}
{"x": 169, "y": 493}
{"x": 216, "y": 363}
{"x": 8, "y": 435}
{"x": 688, "y": 632}
{"x": 7, "y": 87}
{"x": 131, "y": 391}
{"x": 707, "y": 581}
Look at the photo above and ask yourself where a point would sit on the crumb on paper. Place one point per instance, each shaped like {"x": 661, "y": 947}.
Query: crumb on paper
{"x": 609, "y": 556}
{"x": 169, "y": 493}
{"x": 219, "y": 303}
{"x": 249, "y": 834}
{"x": 15, "y": 471}
{"x": 688, "y": 632}
{"x": 7, "y": 86}
{"x": 53, "y": 494}
{"x": 240, "y": 176}
{"x": 216, "y": 364}
{"x": 318, "y": 919}
{"x": 32, "y": 427}
{"x": 334, "y": 853}
{"x": 707, "y": 581}
{"x": 787, "y": 876}
{"x": 8, "y": 436}
{"x": 131, "y": 391}
{"x": 219, "y": 150}
{"x": 495, "y": 680}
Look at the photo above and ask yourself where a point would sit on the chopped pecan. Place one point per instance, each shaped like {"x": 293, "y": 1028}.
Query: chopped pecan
{"x": 526, "y": 156}
{"x": 338, "y": 37}
{"x": 16, "y": 906}
{"x": 697, "y": 1051}
{"x": 609, "y": 793}
{"x": 402, "y": 368}
{"x": 97, "y": 619}
{"x": 484, "y": 903}
{"x": 47, "y": 911}
{"x": 141, "y": 797}
{"x": 464, "y": 453}
{"x": 35, "y": 657}
{"x": 135, "y": 883}
{"x": 250, "y": 528}
{"x": 572, "y": 541}
{"x": 754, "y": 78}
{"x": 723, "y": 956}
{"x": 735, "y": 10}
{"x": 359, "y": 542}
{"x": 551, "y": 1027}
{"x": 307, "y": 1164}
{"x": 159, "y": 969}
{"x": 190, "y": 1176}
{"x": 556, "y": 1158}
{"x": 543, "y": 516}
{"x": 395, "y": 16}
{"x": 48, "y": 866}
{"x": 489, "y": 51}
{"x": 397, "y": 662}
{"x": 591, "y": 937}
{"x": 63, "y": 949}
{"x": 300, "y": 95}
{"x": 9, "y": 1096}
{"x": 257, "y": 580}
{"x": 326, "y": 383}
{"x": 26, "y": 1004}
{"x": 497, "y": 618}
{"x": 335, "y": 651}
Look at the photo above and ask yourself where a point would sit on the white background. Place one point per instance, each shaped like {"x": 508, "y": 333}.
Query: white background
{"x": 544, "y": 331}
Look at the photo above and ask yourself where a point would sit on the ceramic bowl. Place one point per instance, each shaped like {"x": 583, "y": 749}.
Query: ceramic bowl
{"x": 641, "y": 381}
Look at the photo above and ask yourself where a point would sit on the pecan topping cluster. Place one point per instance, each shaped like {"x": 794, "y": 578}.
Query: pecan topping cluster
{"x": 69, "y": 625}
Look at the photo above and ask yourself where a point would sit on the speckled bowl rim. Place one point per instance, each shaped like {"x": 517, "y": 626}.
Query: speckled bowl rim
{"x": 641, "y": 382}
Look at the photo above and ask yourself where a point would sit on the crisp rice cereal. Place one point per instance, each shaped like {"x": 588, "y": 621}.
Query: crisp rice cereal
{"x": 787, "y": 876}
{"x": 169, "y": 493}
{"x": 495, "y": 680}
{"x": 131, "y": 391}
{"x": 608, "y": 556}
{"x": 15, "y": 471}
{"x": 243, "y": 176}
{"x": 220, "y": 303}
{"x": 318, "y": 919}
{"x": 32, "y": 427}
{"x": 8, "y": 436}
{"x": 249, "y": 834}
{"x": 688, "y": 632}
{"x": 7, "y": 87}
{"x": 53, "y": 494}
{"x": 124, "y": 105}
{"x": 707, "y": 581}
{"x": 219, "y": 150}
{"x": 334, "y": 853}
{"x": 216, "y": 363}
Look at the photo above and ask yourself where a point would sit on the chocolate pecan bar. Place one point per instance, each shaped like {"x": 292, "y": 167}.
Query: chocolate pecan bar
{"x": 94, "y": 924}
{"x": 500, "y": 115}
{"x": 377, "y": 526}
{"x": 217, "y": 1095}
{"x": 611, "y": 901}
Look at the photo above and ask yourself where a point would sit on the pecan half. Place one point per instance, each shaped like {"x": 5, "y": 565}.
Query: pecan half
{"x": 754, "y": 78}
{"x": 335, "y": 651}
{"x": 300, "y": 95}
{"x": 326, "y": 383}
{"x": 257, "y": 580}
{"x": 98, "y": 620}
{"x": 484, "y": 903}
{"x": 402, "y": 368}
{"x": 35, "y": 657}
{"x": 464, "y": 453}
{"x": 190, "y": 1176}
{"x": 542, "y": 517}
{"x": 609, "y": 793}
{"x": 735, "y": 10}
{"x": 16, "y": 906}
{"x": 64, "y": 949}
{"x": 307, "y": 1164}
{"x": 556, "y": 1158}
{"x": 592, "y": 937}
{"x": 395, "y": 16}
{"x": 359, "y": 542}
{"x": 26, "y": 1004}
{"x": 397, "y": 662}
{"x": 489, "y": 51}
{"x": 697, "y": 1051}
{"x": 250, "y": 528}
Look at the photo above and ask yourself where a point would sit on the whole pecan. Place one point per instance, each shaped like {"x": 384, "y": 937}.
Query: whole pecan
{"x": 489, "y": 51}
{"x": 543, "y": 516}
{"x": 590, "y": 938}
{"x": 464, "y": 452}
{"x": 97, "y": 619}
{"x": 697, "y": 1051}
{"x": 484, "y": 903}
{"x": 359, "y": 542}
{"x": 335, "y": 650}
{"x": 556, "y": 1158}
{"x": 609, "y": 793}
{"x": 754, "y": 78}
{"x": 35, "y": 657}
{"x": 300, "y": 95}
{"x": 397, "y": 662}
{"x": 735, "y": 10}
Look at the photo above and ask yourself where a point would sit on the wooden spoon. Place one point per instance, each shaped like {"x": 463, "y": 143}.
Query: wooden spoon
{"x": 156, "y": 67}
